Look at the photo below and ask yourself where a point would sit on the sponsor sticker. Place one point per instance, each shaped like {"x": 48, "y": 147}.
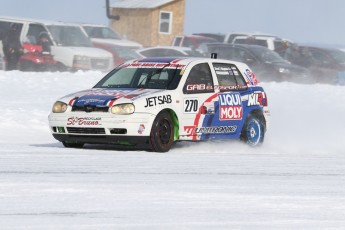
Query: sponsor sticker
{"x": 255, "y": 99}
{"x": 230, "y": 106}
{"x": 192, "y": 130}
{"x": 141, "y": 128}
{"x": 93, "y": 121}
{"x": 158, "y": 100}
{"x": 251, "y": 77}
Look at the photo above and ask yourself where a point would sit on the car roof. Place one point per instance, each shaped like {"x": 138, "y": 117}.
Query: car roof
{"x": 251, "y": 33}
{"x": 33, "y": 20}
{"x": 94, "y": 25}
{"x": 319, "y": 47}
{"x": 248, "y": 46}
{"x": 263, "y": 37}
{"x": 179, "y": 48}
{"x": 218, "y": 36}
{"x": 197, "y": 37}
{"x": 183, "y": 60}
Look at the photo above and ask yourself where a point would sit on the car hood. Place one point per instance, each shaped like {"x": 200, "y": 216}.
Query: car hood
{"x": 106, "y": 97}
{"x": 118, "y": 42}
{"x": 89, "y": 51}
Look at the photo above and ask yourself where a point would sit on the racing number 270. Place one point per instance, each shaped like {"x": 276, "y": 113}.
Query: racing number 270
{"x": 191, "y": 105}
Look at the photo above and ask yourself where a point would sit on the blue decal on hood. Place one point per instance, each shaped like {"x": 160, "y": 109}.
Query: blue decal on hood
{"x": 93, "y": 100}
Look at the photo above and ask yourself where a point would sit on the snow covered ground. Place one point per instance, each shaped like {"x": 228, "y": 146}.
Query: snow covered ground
{"x": 296, "y": 180}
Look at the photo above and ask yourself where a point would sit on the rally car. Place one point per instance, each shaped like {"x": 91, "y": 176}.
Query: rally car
{"x": 152, "y": 103}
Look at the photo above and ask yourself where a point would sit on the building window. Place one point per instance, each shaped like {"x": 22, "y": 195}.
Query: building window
{"x": 165, "y": 20}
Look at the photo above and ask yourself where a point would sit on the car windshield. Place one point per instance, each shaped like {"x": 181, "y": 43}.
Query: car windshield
{"x": 101, "y": 32}
{"x": 69, "y": 36}
{"x": 194, "y": 53}
{"x": 125, "y": 53}
{"x": 141, "y": 77}
{"x": 195, "y": 43}
{"x": 267, "y": 55}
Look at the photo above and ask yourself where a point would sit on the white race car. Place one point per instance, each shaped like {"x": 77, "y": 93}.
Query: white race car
{"x": 153, "y": 102}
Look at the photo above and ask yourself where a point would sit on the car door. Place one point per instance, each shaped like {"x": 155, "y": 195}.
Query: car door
{"x": 199, "y": 95}
{"x": 217, "y": 111}
{"x": 229, "y": 112}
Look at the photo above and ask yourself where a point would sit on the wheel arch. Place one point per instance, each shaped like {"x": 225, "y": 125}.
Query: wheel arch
{"x": 175, "y": 120}
{"x": 260, "y": 115}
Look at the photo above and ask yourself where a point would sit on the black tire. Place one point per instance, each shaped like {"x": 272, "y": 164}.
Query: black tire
{"x": 253, "y": 131}
{"x": 162, "y": 133}
{"x": 72, "y": 144}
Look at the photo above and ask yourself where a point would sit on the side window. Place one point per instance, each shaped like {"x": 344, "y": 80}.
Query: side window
{"x": 320, "y": 57}
{"x": 165, "y": 22}
{"x": 199, "y": 80}
{"x": 245, "y": 56}
{"x": 34, "y": 32}
{"x": 259, "y": 42}
{"x": 229, "y": 77}
{"x": 4, "y": 27}
{"x": 177, "y": 41}
{"x": 225, "y": 52}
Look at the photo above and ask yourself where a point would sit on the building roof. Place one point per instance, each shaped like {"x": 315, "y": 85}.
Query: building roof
{"x": 147, "y": 4}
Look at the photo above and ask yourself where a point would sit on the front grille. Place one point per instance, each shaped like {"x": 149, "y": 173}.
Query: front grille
{"x": 100, "y": 64}
{"x": 86, "y": 130}
{"x": 90, "y": 109}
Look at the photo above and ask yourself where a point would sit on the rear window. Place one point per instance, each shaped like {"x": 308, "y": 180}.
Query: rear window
{"x": 250, "y": 41}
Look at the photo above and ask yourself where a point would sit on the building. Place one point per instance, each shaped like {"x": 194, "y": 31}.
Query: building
{"x": 149, "y": 22}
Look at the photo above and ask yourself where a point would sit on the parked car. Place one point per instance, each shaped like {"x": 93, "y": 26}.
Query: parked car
{"x": 151, "y": 103}
{"x": 194, "y": 42}
{"x": 104, "y": 34}
{"x": 327, "y": 65}
{"x": 274, "y": 43}
{"x": 267, "y": 64}
{"x": 218, "y": 36}
{"x": 70, "y": 47}
{"x": 168, "y": 51}
{"x": 104, "y": 37}
{"x": 120, "y": 54}
{"x": 229, "y": 37}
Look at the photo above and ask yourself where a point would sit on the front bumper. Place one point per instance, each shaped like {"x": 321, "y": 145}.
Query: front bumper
{"x": 137, "y": 141}
{"x": 99, "y": 128}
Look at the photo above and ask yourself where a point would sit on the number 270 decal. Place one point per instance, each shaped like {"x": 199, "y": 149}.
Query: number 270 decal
{"x": 191, "y": 105}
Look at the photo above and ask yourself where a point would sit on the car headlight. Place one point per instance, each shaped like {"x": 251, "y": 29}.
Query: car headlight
{"x": 123, "y": 109}
{"x": 81, "y": 62}
{"x": 59, "y": 107}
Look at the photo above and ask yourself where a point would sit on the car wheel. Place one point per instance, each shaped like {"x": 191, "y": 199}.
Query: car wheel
{"x": 162, "y": 133}
{"x": 253, "y": 131}
{"x": 72, "y": 144}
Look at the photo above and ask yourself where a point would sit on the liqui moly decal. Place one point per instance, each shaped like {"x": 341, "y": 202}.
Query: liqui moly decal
{"x": 255, "y": 99}
{"x": 230, "y": 106}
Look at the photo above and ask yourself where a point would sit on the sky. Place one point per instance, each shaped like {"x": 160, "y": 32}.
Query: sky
{"x": 295, "y": 180}
{"x": 303, "y": 21}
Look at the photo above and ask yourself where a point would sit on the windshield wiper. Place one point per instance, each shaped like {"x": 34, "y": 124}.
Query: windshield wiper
{"x": 148, "y": 77}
